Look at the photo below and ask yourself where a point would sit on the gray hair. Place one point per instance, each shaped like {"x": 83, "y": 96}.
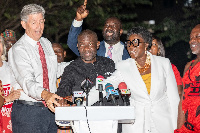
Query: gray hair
{"x": 3, "y": 56}
{"x": 31, "y": 9}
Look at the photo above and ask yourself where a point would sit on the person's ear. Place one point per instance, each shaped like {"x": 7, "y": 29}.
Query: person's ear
{"x": 121, "y": 31}
{"x": 23, "y": 23}
{"x": 98, "y": 44}
{"x": 65, "y": 53}
{"x": 77, "y": 45}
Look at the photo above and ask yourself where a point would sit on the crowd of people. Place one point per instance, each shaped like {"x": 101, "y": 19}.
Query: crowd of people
{"x": 34, "y": 77}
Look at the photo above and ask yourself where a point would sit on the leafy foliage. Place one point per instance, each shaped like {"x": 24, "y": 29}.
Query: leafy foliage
{"x": 173, "y": 30}
{"x": 60, "y": 14}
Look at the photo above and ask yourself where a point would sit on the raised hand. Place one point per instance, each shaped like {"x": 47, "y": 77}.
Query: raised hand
{"x": 81, "y": 12}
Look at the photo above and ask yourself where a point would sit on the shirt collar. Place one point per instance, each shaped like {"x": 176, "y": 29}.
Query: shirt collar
{"x": 30, "y": 40}
{"x": 115, "y": 46}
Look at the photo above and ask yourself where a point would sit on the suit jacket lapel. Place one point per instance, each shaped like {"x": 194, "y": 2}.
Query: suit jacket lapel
{"x": 154, "y": 77}
{"x": 102, "y": 49}
{"x": 132, "y": 77}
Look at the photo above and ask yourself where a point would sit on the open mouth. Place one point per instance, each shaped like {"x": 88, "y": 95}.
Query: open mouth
{"x": 109, "y": 33}
{"x": 193, "y": 46}
{"x": 38, "y": 32}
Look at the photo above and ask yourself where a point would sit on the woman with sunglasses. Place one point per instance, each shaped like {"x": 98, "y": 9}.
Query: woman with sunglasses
{"x": 152, "y": 84}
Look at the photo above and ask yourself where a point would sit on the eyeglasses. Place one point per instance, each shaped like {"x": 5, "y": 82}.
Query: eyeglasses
{"x": 134, "y": 42}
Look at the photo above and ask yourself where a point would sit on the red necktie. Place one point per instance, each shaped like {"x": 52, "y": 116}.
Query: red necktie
{"x": 44, "y": 67}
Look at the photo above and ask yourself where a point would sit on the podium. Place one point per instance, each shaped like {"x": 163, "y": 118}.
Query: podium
{"x": 121, "y": 114}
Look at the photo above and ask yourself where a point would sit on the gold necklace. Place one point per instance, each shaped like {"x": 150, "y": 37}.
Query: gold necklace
{"x": 146, "y": 65}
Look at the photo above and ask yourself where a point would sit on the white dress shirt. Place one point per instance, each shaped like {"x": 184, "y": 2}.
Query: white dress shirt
{"x": 117, "y": 51}
{"x": 24, "y": 60}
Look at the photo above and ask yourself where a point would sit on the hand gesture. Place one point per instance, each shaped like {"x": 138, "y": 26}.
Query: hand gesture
{"x": 81, "y": 12}
{"x": 14, "y": 94}
{"x": 50, "y": 99}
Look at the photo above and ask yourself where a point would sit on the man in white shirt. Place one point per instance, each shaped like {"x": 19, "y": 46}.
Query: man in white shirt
{"x": 35, "y": 68}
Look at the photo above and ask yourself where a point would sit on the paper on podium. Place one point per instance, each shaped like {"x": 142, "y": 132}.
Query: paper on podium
{"x": 122, "y": 114}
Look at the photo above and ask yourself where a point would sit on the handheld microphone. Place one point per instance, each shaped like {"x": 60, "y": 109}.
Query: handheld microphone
{"x": 78, "y": 97}
{"x": 111, "y": 93}
{"x": 86, "y": 85}
{"x": 125, "y": 93}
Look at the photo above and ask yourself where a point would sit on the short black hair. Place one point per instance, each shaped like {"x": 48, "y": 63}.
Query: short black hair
{"x": 143, "y": 32}
{"x": 88, "y": 32}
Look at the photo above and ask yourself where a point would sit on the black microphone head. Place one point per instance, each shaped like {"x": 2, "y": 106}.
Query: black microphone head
{"x": 86, "y": 85}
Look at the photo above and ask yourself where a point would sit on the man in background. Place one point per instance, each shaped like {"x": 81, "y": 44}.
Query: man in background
{"x": 110, "y": 47}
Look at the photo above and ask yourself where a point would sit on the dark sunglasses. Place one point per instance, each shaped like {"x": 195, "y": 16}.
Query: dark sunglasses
{"x": 134, "y": 42}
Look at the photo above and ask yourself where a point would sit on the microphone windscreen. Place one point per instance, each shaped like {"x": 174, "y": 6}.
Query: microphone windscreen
{"x": 108, "y": 87}
{"x": 122, "y": 85}
{"x": 100, "y": 76}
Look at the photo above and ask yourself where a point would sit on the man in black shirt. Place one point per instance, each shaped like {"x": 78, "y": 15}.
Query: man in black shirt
{"x": 88, "y": 65}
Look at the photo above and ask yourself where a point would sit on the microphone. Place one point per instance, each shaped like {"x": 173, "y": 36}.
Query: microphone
{"x": 99, "y": 86}
{"x": 125, "y": 93}
{"x": 99, "y": 80}
{"x": 86, "y": 85}
{"x": 111, "y": 93}
{"x": 78, "y": 97}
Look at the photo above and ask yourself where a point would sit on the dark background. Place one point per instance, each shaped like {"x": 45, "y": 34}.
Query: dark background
{"x": 174, "y": 20}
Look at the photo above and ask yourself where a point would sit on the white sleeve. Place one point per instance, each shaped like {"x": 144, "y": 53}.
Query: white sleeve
{"x": 172, "y": 93}
{"x": 20, "y": 64}
{"x": 115, "y": 79}
{"x": 61, "y": 67}
{"x": 76, "y": 23}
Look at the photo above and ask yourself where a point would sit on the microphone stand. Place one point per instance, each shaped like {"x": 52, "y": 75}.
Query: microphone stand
{"x": 87, "y": 91}
{"x": 100, "y": 87}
